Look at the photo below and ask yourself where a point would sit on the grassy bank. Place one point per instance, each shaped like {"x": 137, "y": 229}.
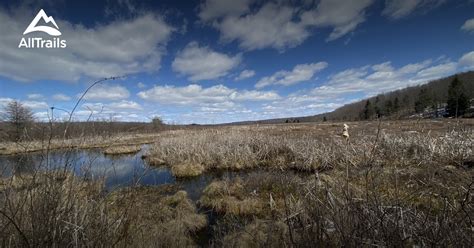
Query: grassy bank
{"x": 124, "y": 149}
{"x": 111, "y": 142}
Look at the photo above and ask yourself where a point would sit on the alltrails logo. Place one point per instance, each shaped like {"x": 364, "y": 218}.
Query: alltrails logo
{"x": 38, "y": 42}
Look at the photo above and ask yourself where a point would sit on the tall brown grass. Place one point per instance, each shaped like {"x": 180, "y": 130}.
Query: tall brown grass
{"x": 306, "y": 150}
{"x": 57, "y": 209}
{"x": 385, "y": 189}
{"x": 309, "y": 187}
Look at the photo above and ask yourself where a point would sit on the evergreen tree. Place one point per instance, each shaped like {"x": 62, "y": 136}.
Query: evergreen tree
{"x": 435, "y": 104}
{"x": 378, "y": 108}
{"x": 396, "y": 105}
{"x": 424, "y": 100}
{"x": 458, "y": 102}
{"x": 388, "y": 107}
{"x": 368, "y": 111}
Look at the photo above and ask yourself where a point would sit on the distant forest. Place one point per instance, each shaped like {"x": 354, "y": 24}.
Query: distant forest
{"x": 447, "y": 97}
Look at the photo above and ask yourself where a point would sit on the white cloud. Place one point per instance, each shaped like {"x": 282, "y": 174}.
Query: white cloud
{"x": 30, "y": 104}
{"x": 435, "y": 72}
{"x": 125, "y": 105}
{"x": 343, "y": 16}
{"x": 35, "y": 96}
{"x": 357, "y": 83}
{"x": 4, "y": 102}
{"x": 61, "y": 97}
{"x": 375, "y": 79}
{"x": 282, "y": 24}
{"x": 300, "y": 73}
{"x": 196, "y": 94}
{"x": 35, "y": 104}
{"x": 107, "y": 92}
{"x": 467, "y": 60}
{"x": 271, "y": 26}
{"x": 141, "y": 85}
{"x": 396, "y": 9}
{"x": 468, "y": 26}
{"x": 121, "y": 111}
{"x": 202, "y": 63}
{"x": 245, "y": 74}
{"x": 297, "y": 104}
{"x": 120, "y": 47}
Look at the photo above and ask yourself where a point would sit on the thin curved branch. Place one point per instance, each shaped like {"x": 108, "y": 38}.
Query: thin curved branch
{"x": 82, "y": 96}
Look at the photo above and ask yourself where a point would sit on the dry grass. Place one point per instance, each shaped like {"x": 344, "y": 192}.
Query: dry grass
{"x": 124, "y": 149}
{"x": 388, "y": 189}
{"x": 227, "y": 197}
{"x": 8, "y": 148}
{"x": 259, "y": 233}
{"x": 378, "y": 206}
{"x": 57, "y": 209}
{"x": 187, "y": 169}
{"x": 394, "y": 184}
{"x": 159, "y": 217}
{"x": 258, "y": 194}
{"x": 54, "y": 209}
{"x": 308, "y": 147}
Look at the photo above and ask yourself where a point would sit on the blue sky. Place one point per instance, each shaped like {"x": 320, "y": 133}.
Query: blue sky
{"x": 215, "y": 61}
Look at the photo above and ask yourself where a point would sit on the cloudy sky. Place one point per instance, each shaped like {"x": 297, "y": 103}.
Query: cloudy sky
{"x": 215, "y": 61}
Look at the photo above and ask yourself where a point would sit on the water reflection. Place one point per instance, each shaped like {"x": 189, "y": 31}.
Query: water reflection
{"x": 117, "y": 171}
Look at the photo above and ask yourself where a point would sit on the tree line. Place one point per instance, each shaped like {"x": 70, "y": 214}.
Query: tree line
{"x": 447, "y": 97}
{"x": 18, "y": 123}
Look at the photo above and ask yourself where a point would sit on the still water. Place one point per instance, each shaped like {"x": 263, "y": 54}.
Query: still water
{"x": 117, "y": 170}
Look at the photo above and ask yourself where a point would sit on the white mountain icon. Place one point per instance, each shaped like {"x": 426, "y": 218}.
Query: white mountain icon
{"x": 47, "y": 19}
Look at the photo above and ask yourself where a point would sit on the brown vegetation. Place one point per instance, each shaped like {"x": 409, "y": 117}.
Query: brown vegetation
{"x": 304, "y": 147}
{"x": 129, "y": 140}
{"x": 124, "y": 149}
{"x": 403, "y": 183}
{"x": 394, "y": 183}
{"x": 158, "y": 217}
{"x": 57, "y": 209}
{"x": 401, "y": 190}
{"x": 187, "y": 169}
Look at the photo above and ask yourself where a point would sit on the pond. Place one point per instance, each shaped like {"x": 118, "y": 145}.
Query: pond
{"x": 117, "y": 170}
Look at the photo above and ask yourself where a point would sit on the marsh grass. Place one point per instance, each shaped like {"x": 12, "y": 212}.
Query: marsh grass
{"x": 392, "y": 184}
{"x": 309, "y": 148}
{"x": 258, "y": 194}
{"x": 52, "y": 207}
{"x": 84, "y": 142}
{"x": 383, "y": 188}
{"x": 158, "y": 216}
{"x": 60, "y": 209}
{"x": 187, "y": 169}
{"x": 124, "y": 149}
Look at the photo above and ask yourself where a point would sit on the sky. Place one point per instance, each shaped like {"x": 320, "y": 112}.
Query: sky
{"x": 219, "y": 61}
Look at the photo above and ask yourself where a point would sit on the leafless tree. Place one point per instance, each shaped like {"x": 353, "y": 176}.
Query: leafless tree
{"x": 19, "y": 117}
